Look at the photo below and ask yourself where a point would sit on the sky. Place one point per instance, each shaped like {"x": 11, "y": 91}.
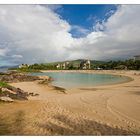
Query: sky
{"x": 47, "y": 33}
{"x": 85, "y": 16}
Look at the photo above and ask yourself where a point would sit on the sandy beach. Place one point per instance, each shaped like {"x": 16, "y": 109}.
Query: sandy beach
{"x": 101, "y": 110}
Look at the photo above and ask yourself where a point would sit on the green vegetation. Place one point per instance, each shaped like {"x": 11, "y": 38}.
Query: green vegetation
{"x": 75, "y": 65}
{"x": 3, "y": 84}
{"x": 127, "y": 65}
{"x": 42, "y": 66}
{"x": 24, "y": 69}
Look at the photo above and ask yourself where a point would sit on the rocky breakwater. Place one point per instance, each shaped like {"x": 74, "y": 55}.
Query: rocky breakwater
{"x": 9, "y": 93}
{"x": 13, "y": 77}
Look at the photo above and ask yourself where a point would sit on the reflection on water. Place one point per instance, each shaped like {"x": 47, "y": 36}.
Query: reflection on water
{"x": 77, "y": 80}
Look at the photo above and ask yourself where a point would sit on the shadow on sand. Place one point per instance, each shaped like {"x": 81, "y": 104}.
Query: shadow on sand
{"x": 135, "y": 92}
{"x": 61, "y": 125}
{"x": 81, "y": 127}
{"x": 12, "y": 126}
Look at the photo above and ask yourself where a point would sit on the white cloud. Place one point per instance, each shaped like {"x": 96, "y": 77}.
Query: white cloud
{"x": 79, "y": 31}
{"x": 120, "y": 39}
{"x": 17, "y": 56}
{"x": 3, "y": 52}
{"x": 35, "y": 33}
{"x": 53, "y": 6}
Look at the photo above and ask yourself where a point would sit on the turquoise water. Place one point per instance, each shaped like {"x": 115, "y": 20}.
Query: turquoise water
{"x": 78, "y": 80}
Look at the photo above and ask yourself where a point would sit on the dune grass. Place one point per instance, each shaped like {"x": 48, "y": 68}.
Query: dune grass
{"x": 3, "y": 84}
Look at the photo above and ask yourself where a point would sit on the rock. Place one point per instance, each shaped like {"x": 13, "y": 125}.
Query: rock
{"x": 43, "y": 77}
{"x": 17, "y": 77}
{"x": 6, "y": 99}
{"x": 7, "y": 90}
{"x": 36, "y": 94}
{"x": 31, "y": 94}
{"x": 12, "y": 88}
{"x": 14, "y": 93}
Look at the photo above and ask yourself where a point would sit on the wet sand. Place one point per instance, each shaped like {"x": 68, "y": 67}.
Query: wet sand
{"x": 100, "y": 110}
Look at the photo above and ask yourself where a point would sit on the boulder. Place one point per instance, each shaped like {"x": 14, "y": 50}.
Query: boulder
{"x": 6, "y": 99}
{"x": 17, "y": 77}
{"x": 7, "y": 90}
{"x": 13, "y": 93}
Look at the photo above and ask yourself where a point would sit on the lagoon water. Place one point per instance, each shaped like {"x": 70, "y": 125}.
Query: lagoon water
{"x": 78, "y": 80}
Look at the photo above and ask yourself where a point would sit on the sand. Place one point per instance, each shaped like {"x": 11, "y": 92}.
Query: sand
{"x": 100, "y": 110}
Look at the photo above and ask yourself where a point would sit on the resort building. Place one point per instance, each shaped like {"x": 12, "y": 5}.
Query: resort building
{"x": 137, "y": 57}
{"x": 77, "y": 65}
{"x": 64, "y": 65}
{"x": 85, "y": 64}
{"x": 58, "y": 66}
{"x": 88, "y": 63}
{"x": 23, "y": 66}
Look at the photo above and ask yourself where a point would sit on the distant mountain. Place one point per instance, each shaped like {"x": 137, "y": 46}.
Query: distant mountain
{"x": 6, "y": 67}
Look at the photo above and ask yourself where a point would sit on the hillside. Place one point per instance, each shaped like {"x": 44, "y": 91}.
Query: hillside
{"x": 78, "y": 61}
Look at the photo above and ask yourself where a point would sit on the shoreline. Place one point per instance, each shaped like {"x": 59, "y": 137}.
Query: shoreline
{"x": 129, "y": 78}
{"x": 101, "y": 110}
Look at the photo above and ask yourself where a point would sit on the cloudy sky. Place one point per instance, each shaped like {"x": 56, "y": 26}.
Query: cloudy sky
{"x": 47, "y": 33}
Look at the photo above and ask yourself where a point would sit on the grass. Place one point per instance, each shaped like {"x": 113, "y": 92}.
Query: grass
{"x": 24, "y": 70}
{"x": 27, "y": 70}
{"x": 3, "y": 84}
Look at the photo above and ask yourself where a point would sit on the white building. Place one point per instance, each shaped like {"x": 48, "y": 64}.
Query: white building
{"x": 58, "y": 66}
{"x": 23, "y": 66}
{"x": 88, "y": 63}
{"x": 63, "y": 65}
{"x": 85, "y": 64}
{"x": 137, "y": 57}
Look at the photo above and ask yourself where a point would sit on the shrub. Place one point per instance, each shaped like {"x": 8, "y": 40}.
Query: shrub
{"x": 3, "y": 84}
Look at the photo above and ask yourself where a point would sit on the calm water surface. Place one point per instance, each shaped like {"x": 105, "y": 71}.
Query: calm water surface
{"x": 78, "y": 80}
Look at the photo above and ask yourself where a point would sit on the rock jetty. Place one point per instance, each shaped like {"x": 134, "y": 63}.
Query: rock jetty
{"x": 13, "y": 77}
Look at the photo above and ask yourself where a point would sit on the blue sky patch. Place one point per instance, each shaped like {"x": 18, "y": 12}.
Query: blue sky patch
{"x": 83, "y": 18}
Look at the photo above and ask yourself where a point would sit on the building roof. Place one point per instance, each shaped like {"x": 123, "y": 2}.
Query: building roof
{"x": 137, "y": 56}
